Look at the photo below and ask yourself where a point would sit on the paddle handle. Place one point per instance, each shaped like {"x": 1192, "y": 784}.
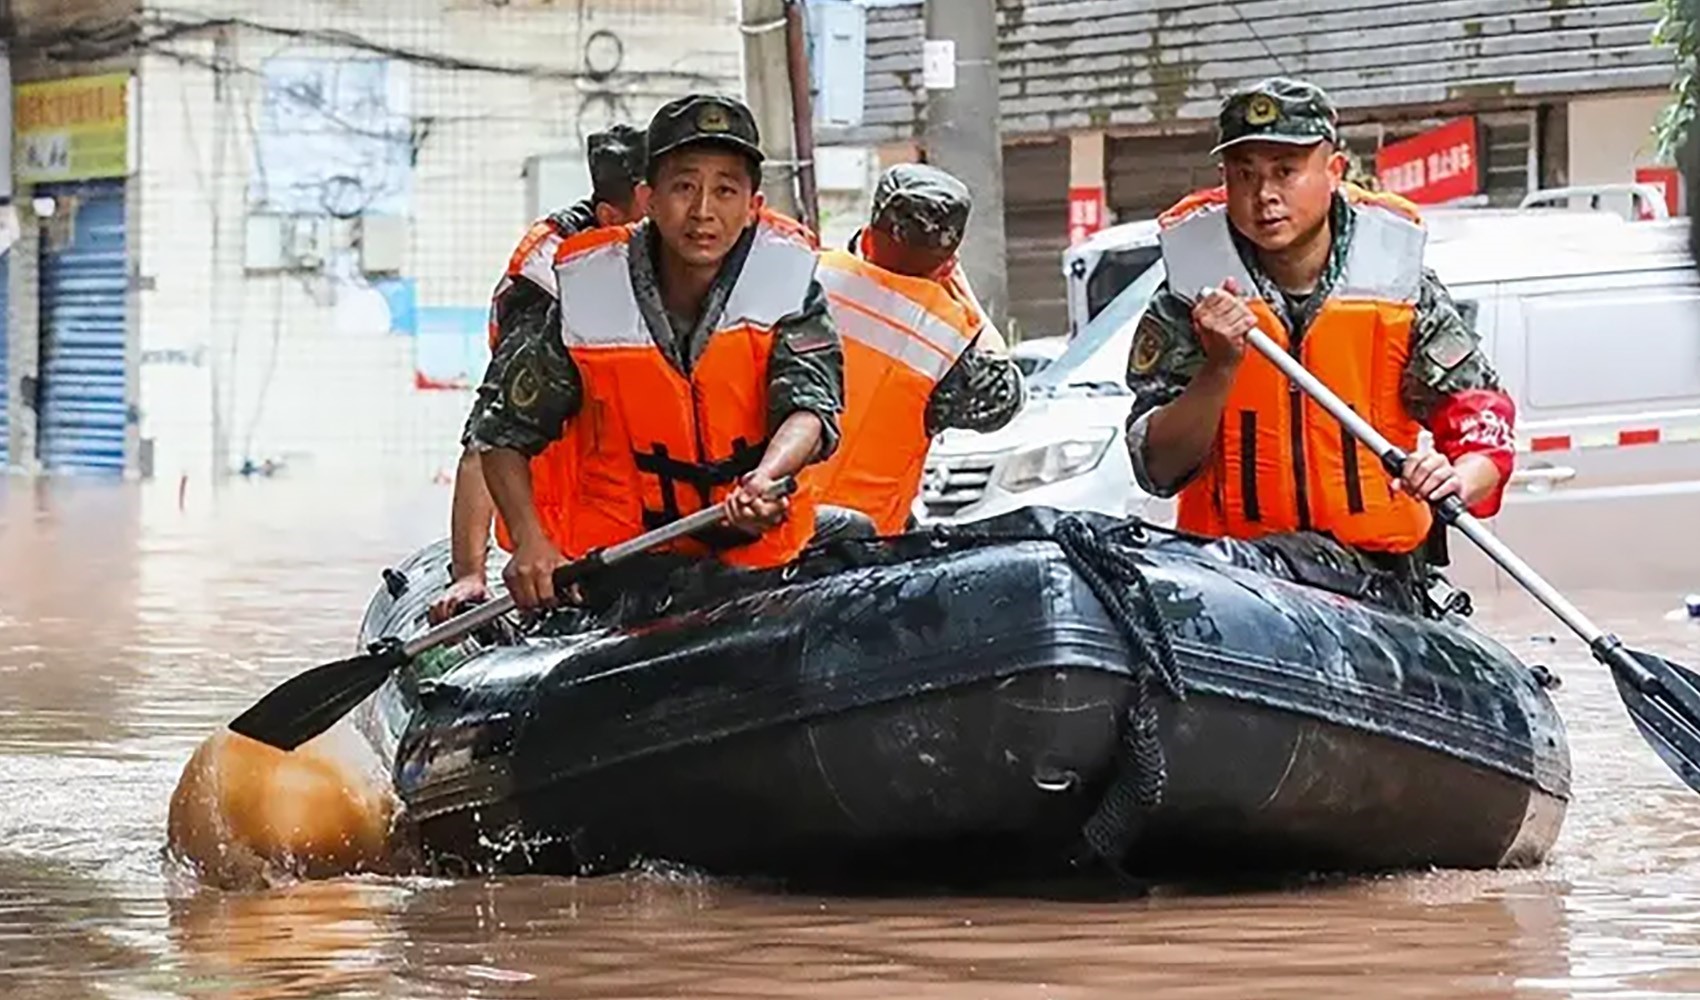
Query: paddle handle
{"x": 1606, "y": 647}
{"x": 472, "y": 620}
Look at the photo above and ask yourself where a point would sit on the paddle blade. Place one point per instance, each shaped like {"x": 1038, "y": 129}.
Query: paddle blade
{"x": 311, "y": 702}
{"x": 1666, "y": 711}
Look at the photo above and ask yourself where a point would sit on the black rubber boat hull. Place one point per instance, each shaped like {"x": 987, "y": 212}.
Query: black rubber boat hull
{"x": 956, "y": 716}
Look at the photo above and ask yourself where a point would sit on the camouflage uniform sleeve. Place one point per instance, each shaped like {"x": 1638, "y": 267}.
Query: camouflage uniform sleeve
{"x": 531, "y": 387}
{"x": 1165, "y": 356}
{"x": 805, "y": 370}
{"x": 1446, "y": 355}
{"x": 981, "y": 392}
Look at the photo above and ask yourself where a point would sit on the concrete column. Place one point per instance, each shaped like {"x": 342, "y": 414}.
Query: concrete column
{"x": 1086, "y": 169}
{"x": 23, "y": 330}
{"x": 962, "y": 135}
{"x": 1086, "y": 160}
{"x": 767, "y": 88}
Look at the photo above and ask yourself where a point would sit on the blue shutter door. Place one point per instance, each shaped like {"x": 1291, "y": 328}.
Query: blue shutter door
{"x": 83, "y": 328}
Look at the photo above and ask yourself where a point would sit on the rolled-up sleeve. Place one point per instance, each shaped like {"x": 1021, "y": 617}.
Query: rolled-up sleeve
{"x": 805, "y": 369}
{"x": 981, "y": 392}
{"x": 530, "y": 389}
{"x": 1451, "y": 388}
{"x": 1446, "y": 353}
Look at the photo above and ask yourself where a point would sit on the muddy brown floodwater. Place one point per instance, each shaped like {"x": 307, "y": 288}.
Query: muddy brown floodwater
{"x": 130, "y": 628}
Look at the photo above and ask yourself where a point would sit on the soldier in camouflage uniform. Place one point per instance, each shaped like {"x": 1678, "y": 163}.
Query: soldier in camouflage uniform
{"x": 920, "y": 214}
{"x": 1292, "y": 226}
{"x": 525, "y": 301}
{"x": 533, "y": 386}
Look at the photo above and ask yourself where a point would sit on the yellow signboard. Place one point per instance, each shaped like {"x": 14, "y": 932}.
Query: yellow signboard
{"x": 72, "y": 130}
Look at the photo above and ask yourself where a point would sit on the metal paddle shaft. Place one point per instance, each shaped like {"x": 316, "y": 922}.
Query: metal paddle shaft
{"x": 311, "y": 702}
{"x": 1451, "y": 510}
{"x": 467, "y": 622}
{"x": 1663, "y": 698}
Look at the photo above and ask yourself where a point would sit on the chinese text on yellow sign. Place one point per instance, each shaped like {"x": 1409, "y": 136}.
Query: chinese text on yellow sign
{"x": 72, "y": 130}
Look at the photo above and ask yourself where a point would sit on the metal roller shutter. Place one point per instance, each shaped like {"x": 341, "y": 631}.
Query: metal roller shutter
{"x": 83, "y": 334}
{"x": 1035, "y": 178}
{"x": 1511, "y": 156}
{"x": 1149, "y": 174}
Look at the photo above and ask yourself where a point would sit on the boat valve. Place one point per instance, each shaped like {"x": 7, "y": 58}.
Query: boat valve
{"x": 1049, "y": 780}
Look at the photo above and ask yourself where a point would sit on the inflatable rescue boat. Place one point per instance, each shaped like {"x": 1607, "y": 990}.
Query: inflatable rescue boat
{"x": 1036, "y": 696}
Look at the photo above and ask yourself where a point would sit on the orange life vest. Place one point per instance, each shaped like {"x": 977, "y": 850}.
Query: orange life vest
{"x": 551, "y": 470}
{"x": 1281, "y": 463}
{"x": 901, "y": 335}
{"x": 653, "y": 445}
{"x": 952, "y": 278}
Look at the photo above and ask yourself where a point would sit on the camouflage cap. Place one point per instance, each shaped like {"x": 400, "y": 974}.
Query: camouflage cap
{"x": 618, "y": 158}
{"x": 921, "y": 205}
{"x": 704, "y": 119}
{"x": 1276, "y": 110}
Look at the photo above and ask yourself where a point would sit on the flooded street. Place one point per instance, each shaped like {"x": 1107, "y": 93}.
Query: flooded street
{"x": 131, "y": 627}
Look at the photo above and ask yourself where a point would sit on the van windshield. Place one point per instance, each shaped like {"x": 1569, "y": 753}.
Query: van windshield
{"x": 1116, "y": 270}
{"x": 1097, "y": 358}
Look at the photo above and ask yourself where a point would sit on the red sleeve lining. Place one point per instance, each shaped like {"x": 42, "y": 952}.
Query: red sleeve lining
{"x": 1478, "y": 422}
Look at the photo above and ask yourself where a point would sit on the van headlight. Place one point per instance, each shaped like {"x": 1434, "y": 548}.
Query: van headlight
{"x": 1054, "y": 462}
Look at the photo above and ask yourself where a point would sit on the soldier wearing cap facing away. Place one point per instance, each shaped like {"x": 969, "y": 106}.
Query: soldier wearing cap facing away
{"x": 694, "y": 363}
{"x": 524, "y": 301}
{"x": 920, "y": 354}
{"x": 1333, "y": 274}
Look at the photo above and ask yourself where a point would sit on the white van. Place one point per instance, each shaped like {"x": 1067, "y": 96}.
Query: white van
{"x": 1596, "y": 335}
{"x": 1592, "y": 321}
{"x": 1097, "y": 268}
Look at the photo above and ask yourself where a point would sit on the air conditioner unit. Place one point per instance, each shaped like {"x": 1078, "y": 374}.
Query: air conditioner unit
{"x": 383, "y": 243}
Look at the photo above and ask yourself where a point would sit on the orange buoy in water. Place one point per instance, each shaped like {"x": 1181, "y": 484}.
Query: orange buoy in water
{"x": 245, "y": 813}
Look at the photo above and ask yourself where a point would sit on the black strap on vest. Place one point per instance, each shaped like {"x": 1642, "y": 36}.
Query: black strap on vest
{"x": 702, "y": 477}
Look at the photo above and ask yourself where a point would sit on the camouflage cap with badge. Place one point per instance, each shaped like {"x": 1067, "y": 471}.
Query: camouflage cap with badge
{"x": 703, "y": 120}
{"x": 921, "y": 206}
{"x": 618, "y": 156}
{"x": 1277, "y": 110}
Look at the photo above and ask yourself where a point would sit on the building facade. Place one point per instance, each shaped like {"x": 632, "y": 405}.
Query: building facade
{"x": 261, "y": 236}
{"x": 1114, "y": 100}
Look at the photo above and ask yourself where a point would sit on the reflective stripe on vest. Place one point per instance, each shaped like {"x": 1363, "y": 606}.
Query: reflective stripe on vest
{"x": 910, "y": 320}
{"x": 533, "y": 259}
{"x": 1280, "y": 462}
{"x": 654, "y": 445}
{"x": 901, "y": 335}
{"x": 954, "y": 281}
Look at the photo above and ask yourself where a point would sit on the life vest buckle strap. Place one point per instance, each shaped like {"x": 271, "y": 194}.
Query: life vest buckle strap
{"x": 702, "y": 477}
{"x": 669, "y": 472}
{"x": 743, "y": 461}
{"x": 657, "y": 462}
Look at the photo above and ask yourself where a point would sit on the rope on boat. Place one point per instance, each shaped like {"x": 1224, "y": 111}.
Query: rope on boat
{"x": 1112, "y": 571}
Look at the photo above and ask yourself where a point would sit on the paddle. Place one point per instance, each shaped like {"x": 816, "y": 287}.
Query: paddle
{"x": 311, "y": 702}
{"x": 1663, "y": 698}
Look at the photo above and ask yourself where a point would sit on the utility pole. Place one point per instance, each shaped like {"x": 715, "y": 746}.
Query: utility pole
{"x": 962, "y": 134}
{"x": 767, "y": 88}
